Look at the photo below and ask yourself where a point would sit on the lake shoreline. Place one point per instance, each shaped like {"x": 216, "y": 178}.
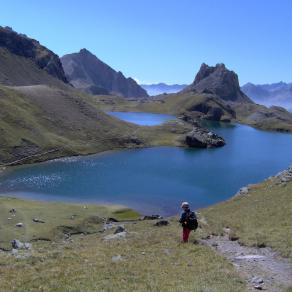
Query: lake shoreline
{"x": 242, "y": 191}
{"x": 41, "y": 158}
{"x": 155, "y": 178}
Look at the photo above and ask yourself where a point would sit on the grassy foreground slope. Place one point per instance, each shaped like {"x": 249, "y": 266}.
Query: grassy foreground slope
{"x": 262, "y": 217}
{"x": 150, "y": 258}
{"x": 58, "y": 219}
{"x": 42, "y": 122}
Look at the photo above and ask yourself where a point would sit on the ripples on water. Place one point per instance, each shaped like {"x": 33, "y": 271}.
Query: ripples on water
{"x": 156, "y": 180}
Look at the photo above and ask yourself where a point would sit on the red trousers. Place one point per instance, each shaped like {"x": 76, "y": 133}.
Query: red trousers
{"x": 186, "y": 234}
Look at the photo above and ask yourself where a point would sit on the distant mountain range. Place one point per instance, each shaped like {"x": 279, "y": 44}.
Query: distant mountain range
{"x": 161, "y": 88}
{"x": 215, "y": 95}
{"x": 270, "y": 94}
{"x": 88, "y": 73}
{"x": 279, "y": 94}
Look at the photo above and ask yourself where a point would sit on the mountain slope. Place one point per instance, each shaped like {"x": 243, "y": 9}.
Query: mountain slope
{"x": 41, "y": 122}
{"x": 85, "y": 71}
{"x": 17, "y": 71}
{"x": 38, "y": 119}
{"x": 42, "y": 117}
{"x": 30, "y": 49}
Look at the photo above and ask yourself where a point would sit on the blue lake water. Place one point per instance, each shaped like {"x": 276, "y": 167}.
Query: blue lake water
{"x": 142, "y": 119}
{"x": 156, "y": 180}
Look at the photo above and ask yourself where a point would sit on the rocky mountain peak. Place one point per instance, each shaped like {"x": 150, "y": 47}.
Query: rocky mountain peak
{"x": 21, "y": 45}
{"x": 84, "y": 51}
{"x": 88, "y": 73}
{"x": 220, "y": 81}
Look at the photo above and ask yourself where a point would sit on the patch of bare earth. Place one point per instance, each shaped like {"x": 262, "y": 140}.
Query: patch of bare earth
{"x": 262, "y": 268}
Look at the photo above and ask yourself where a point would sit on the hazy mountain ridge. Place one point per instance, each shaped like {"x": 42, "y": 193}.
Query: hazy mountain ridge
{"x": 279, "y": 94}
{"x": 161, "y": 88}
{"x": 86, "y": 72}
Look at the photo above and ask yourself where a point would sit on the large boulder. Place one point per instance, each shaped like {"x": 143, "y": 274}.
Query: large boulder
{"x": 203, "y": 138}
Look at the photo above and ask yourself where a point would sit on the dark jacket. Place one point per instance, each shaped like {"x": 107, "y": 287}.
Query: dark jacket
{"x": 185, "y": 216}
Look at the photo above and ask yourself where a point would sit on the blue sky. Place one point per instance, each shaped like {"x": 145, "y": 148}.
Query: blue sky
{"x": 165, "y": 40}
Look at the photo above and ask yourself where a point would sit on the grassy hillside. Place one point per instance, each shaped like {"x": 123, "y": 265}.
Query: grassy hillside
{"x": 262, "y": 217}
{"x": 17, "y": 70}
{"x": 150, "y": 258}
{"x": 274, "y": 118}
{"x": 206, "y": 106}
{"x": 59, "y": 219}
{"x": 46, "y": 122}
{"x": 168, "y": 104}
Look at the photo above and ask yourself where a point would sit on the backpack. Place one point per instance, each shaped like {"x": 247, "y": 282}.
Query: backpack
{"x": 191, "y": 221}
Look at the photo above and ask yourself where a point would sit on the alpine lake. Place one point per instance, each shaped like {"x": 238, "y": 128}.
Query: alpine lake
{"x": 156, "y": 180}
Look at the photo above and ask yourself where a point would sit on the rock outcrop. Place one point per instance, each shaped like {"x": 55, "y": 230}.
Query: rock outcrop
{"x": 86, "y": 72}
{"x": 219, "y": 81}
{"x": 23, "y": 46}
{"x": 210, "y": 109}
{"x": 203, "y": 138}
{"x": 284, "y": 176}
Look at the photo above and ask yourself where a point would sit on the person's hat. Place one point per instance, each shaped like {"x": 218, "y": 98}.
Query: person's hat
{"x": 185, "y": 204}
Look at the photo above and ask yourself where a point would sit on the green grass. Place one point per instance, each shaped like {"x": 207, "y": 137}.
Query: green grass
{"x": 17, "y": 70}
{"x": 37, "y": 119}
{"x": 58, "y": 217}
{"x": 258, "y": 116}
{"x": 261, "y": 218}
{"x": 270, "y": 119}
{"x": 153, "y": 259}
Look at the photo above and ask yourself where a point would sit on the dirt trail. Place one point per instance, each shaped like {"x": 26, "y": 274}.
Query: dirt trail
{"x": 262, "y": 268}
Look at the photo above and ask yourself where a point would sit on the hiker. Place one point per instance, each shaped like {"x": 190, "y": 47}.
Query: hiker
{"x": 188, "y": 221}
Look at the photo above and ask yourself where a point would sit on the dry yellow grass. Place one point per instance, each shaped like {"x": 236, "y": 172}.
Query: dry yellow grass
{"x": 152, "y": 259}
{"x": 263, "y": 217}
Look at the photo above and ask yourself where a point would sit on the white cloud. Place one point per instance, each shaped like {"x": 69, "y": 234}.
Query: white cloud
{"x": 144, "y": 82}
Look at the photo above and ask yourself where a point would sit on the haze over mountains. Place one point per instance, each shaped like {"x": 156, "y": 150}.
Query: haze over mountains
{"x": 270, "y": 94}
{"x": 86, "y": 72}
{"x": 277, "y": 94}
{"x": 161, "y": 88}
